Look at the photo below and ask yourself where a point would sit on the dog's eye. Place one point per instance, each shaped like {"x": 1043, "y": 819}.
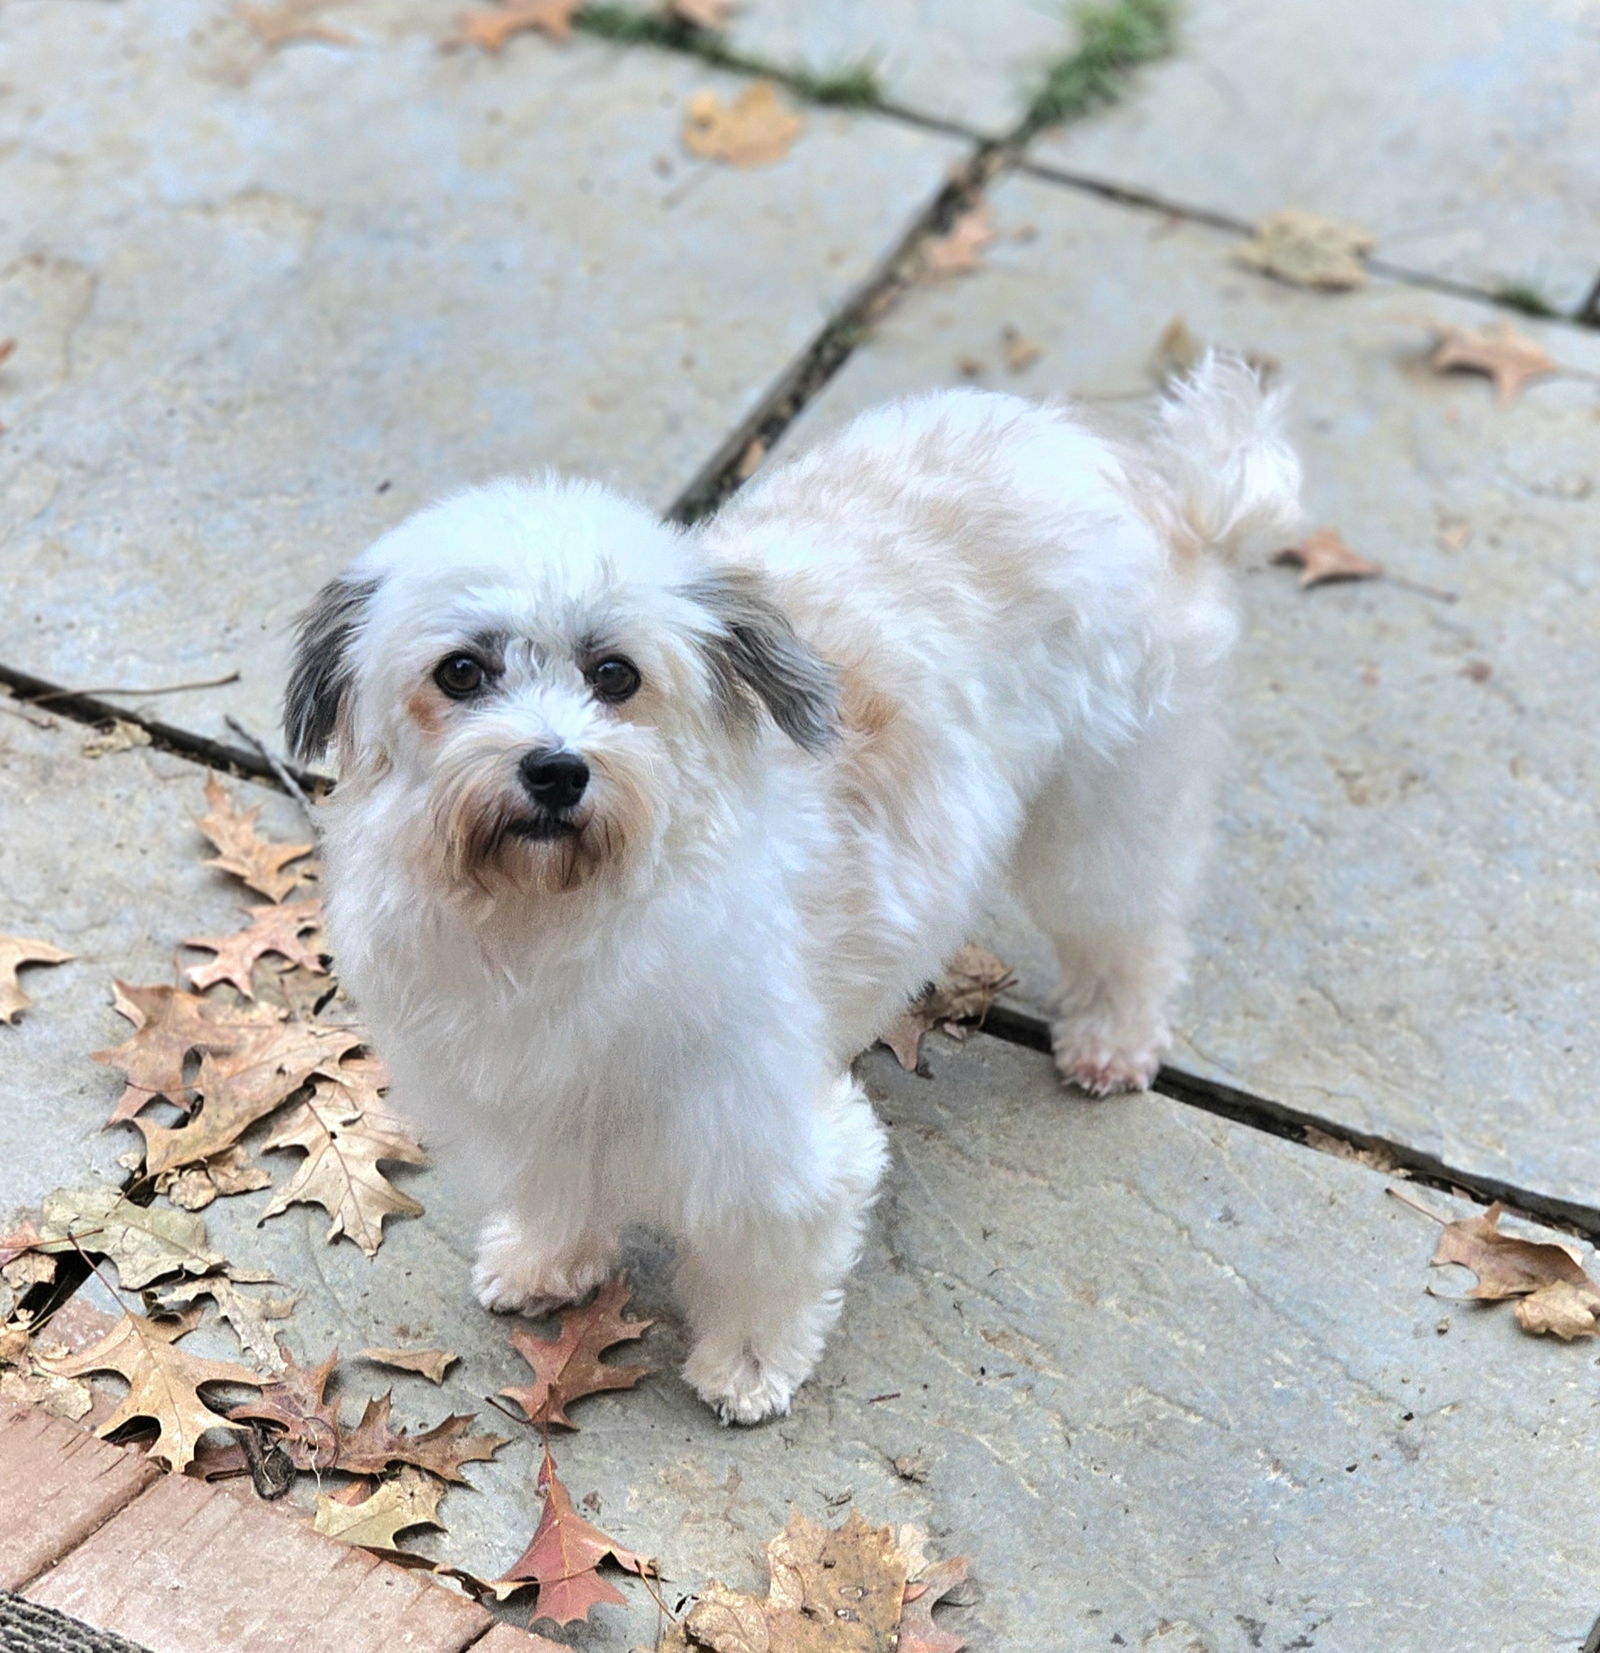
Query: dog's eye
{"x": 459, "y": 676}
{"x": 615, "y": 679}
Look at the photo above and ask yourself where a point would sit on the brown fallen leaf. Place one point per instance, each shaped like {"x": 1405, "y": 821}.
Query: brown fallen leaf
{"x": 1511, "y": 359}
{"x": 972, "y": 980}
{"x": 564, "y": 1556}
{"x": 15, "y": 952}
{"x": 291, "y": 929}
{"x": 242, "y": 850}
{"x": 1020, "y": 353}
{"x": 291, "y": 20}
{"x": 145, "y": 1242}
{"x": 756, "y": 129}
{"x": 374, "y": 1444}
{"x": 164, "y": 1383}
{"x": 411, "y": 1499}
{"x": 702, "y": 14}
{"x": 568, "y": 1366}
{"x": 850, "y": 1589}
{"x": 194, "y": 1187}
{"x": 295, "y": 1404}
{"x": 244, "y": 1311}
{"x": 240, "y": 1087}
{"x": 1507, "y": 1265}
{"x": 429, "y": 1363}
{"x": 1308, "y": 251}
{"x": 1562, "y": 1307}
{"x": 1325, "y": 556}
{"x": 170, "y": 1025}
{"x": 494, "y": 30}
{"x": 344, "y": 1145}
{"x": 959, "y": 251}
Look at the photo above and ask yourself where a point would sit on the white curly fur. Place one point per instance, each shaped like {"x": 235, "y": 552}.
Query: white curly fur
{"x": 1008, "y": 636}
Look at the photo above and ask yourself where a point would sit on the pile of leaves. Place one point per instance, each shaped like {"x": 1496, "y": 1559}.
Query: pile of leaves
{"x": 250, "y": 1050}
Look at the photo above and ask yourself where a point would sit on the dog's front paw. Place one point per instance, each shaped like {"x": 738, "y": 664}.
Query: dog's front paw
{"x": 1085, "y": 1057}
{"x": 511, "y": 1275}
{"x": 741, "y": 1387}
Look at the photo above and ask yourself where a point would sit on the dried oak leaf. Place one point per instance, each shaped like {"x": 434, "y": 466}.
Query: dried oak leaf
{"x": 1564, "y": 1308}
{"x": 240, "y": 1087}
{"x": 295, "y": 1403}
{"x": 411, "y": 1499}
{"x": 242, "y": 850}
{"x": 568, "y": 1366}
{"x": 291, "y": 929}
{"x": 144, "y": 1242}
{"x": 959, "y": 251}
{"x": 15, "y": 952}
{"x": 194, "y": 1187}
{"x": 928, "y": 1582}
{"x": 972, "y": 980}
{"x": 1505, "y": 1264}
{"x": 1308, "y": 251}
{"x": 244, "y": 1311}
{"x": 429, "y": 1363}
{"x": 164, "y": 1383}
{"x": 493, "y": 30}
{"x": 1325, "y": 556}
{"x": 374, "y": 1444}
{"x": 564, "y": 1557}
{"x": 170, "y": 1025}
{"x": 1511, "y": 359}
{"x": 839, "y": 1590}
{"x": 344, "y": 1145}
{"x": 756, "y": 129}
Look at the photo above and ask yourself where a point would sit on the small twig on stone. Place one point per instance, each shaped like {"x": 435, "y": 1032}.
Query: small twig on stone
{"x": 122, "y": 688}
{"x": 275, "y": 764}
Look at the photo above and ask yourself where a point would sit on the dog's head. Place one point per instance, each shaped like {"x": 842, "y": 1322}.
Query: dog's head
{"x": 529, "y": 684}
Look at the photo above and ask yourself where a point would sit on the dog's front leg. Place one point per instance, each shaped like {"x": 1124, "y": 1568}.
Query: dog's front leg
{"x": 529, "y": 1266}
{"x": 762, "y": 1288}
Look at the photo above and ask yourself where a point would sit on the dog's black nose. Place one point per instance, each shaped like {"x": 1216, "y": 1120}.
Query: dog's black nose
{"x": 555, "y": 780}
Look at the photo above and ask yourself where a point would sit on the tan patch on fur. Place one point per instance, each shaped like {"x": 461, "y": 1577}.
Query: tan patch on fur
{"x": 425, "y": 708}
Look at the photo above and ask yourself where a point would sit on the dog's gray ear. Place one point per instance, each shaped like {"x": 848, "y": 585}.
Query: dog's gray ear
{"x": 756, "y": 657}
{"x": 320, "y": 677}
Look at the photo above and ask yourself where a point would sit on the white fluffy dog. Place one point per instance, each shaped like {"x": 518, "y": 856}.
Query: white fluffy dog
{"x": 642, "y": 835}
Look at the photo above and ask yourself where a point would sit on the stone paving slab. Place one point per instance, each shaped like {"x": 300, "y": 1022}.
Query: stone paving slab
{"x": 267, "y": 303}
{"x": 1465, "y": 137}
{"x": 100, "y": 856}
{"x": 1150, "y": 1368}
{"x": 978, "y": 66}
{"x": 1401, "y": 924}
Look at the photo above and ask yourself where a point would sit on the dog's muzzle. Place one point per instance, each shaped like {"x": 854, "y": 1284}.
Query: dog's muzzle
{"x": 556, "y": 782}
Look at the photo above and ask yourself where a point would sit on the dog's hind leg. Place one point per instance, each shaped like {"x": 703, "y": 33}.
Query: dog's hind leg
{"x": 763, "y": 1290}
{"x": 1107, "y": 868}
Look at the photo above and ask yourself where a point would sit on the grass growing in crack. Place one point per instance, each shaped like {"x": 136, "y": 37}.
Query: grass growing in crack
{"x": 1524, "y": 296}
{"x": 852, "y": 86}
{"x": 1115, "y": 39}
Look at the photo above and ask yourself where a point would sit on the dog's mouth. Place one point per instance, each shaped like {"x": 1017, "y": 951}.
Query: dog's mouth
{"x": 543, "y": 828}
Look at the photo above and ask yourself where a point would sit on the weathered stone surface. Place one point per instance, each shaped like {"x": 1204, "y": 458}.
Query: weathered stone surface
{"x": 267, "y": 302}
{"x": 1143, "y": 1365}
{"x": 1466, "y": 138}
{"x": 976, "y": 65}
{"x": 1403, "y": 914}
{"x": 102, "y": 857}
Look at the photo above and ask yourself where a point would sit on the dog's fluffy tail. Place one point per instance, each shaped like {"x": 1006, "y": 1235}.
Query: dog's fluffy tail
{"x": 1220, "y": 444}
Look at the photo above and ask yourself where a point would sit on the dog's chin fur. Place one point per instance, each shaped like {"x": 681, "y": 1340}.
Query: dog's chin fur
{"x": 969, "y": 640}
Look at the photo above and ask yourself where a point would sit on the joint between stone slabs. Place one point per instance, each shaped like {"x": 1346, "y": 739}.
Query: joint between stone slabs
{"x": 1279, "y": 1119}
{"x": 28, "y": 690}
{"x": 1508, "y": 296}
{"x": 806, "y": 376}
